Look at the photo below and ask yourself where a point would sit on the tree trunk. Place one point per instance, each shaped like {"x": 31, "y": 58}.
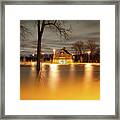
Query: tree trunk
{"x": 40, "y": 33}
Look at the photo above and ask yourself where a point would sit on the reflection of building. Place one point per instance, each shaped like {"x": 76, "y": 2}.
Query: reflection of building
{"x": 62, "y": 56}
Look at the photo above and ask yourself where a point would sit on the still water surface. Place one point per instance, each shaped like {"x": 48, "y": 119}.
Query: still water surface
{"x": 60, "y": 82}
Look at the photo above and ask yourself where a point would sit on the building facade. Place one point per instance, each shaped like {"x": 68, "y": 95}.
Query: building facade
{"x": 62, "y": 56}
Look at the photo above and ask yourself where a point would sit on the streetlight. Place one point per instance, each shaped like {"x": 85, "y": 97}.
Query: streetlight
{"x": 53, "y": 54}
{"x": 42, "y": 53}
{"x": 54, "y": 51}
{"x": 89, "y": 52}
{"x": 88, "y": 55}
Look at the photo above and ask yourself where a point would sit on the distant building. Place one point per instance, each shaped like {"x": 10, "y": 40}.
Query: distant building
{"x": 62, "y": 56}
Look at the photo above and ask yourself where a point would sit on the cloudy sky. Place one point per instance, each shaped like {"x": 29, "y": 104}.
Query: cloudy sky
{"x": 82, "y": 30}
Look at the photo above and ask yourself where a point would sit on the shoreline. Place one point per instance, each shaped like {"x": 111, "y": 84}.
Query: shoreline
{"x": 46, "y": 63}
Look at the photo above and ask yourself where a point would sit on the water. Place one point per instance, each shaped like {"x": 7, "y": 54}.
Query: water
{"x": 60, "y": 82}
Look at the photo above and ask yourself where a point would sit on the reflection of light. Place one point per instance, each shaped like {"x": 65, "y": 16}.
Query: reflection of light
{"x": 53, "y": 76}
{"x": 72, "y": 67}
{"x": 53, "y": 67}
{"x": 43, "y": 64}
{"x": 33, "y": 63}
{"x": 33, "y": 66}
{"x": 72, "y": 71}
{"x": 88, "y": 65}
{"x": 88, "y": 72}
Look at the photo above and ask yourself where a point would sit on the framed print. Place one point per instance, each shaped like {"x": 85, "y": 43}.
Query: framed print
{"x": 60, "y": 60}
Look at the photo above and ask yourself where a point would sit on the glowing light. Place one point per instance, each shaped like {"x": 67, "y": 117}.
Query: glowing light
{"x": 32, "y": 54}
{"x": 88, "y": 72}
{"x": 54, "y": 76}
{"x": 62, "y": 61}
{"x": 89, "y": 52}
{"x": 32, "y": 63}
{"x": 53, "y": 67}
{"x": 43, "y": 53}
{"x": 87, "y": 65}
{"x": 53, "y": 55}
{"x": 72, "y": 67}
{"x": 54, "y": 50}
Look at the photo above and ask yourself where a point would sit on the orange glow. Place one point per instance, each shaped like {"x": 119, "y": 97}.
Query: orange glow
{"x": 53, "y": 77}
{"x": 62, "y": 82}
{"x": 32, "y": 63}
{"x": 54, "y": 51}
{"x": 53, "y": 67}
{"x": 89, "y": 52}
{"x": 88, "y": 65}
{"x": 88, "y": 72}
{"x": 43, "y": 53}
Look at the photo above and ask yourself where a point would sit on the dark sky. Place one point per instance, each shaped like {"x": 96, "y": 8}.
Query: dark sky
{"x": 82, "y": 30}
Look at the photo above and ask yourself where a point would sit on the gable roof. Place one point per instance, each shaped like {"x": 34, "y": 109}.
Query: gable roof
{"x": 64, "y": 49}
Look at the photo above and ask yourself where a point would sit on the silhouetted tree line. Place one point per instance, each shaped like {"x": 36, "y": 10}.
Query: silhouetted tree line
{"x": 43, "y": 58}
{"x": 87, "y": 51}
{"x": 85, "y": 58}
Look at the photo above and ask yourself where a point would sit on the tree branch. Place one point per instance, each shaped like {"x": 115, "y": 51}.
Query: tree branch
{"x": 59, "y": 27}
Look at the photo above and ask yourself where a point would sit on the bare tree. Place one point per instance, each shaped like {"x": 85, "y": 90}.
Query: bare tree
{"x": 56, "y": 25}
{"x": 78, "y": 47}
{"x": 91, "y": 45}
{"x": 24, "y": 31}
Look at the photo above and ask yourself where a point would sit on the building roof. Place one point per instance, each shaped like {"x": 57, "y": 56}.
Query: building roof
{"x": 63, "y": 49}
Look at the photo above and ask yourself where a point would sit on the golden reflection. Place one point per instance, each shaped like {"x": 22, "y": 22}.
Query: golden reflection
{"x": 72, "y": 67}
{"x": 33, "y": 63}
{"x": 53, "y": 67}
{"x": 53, "y": 76}
{"x": 62, "y": 82}
{"x": 43, "y": 66}
{"x": 91, "y": 87}
{"x": 87, "y": 65}
{"x": 33, "y": 66}
{"x": 88, "y": 72}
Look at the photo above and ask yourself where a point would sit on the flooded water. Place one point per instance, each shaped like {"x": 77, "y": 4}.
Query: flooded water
{"x": 60, "y": 82}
